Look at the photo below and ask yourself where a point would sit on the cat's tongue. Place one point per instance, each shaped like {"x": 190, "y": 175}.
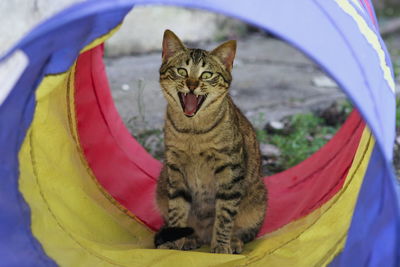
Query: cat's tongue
{"x": 190, "y": 101}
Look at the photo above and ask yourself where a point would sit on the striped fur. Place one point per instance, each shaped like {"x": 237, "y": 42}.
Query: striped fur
{"x": 210, "y": 180}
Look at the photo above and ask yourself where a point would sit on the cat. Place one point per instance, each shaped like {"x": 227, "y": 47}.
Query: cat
{"x": 210, "y": 190}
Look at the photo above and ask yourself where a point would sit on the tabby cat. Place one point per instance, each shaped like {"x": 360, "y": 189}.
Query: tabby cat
{"x": 209, "y": 190}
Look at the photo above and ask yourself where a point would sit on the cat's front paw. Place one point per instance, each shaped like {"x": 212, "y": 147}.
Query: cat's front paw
{"x": 185, "y": 243}
{"x": 168, "y": 245}
{"x": 236, "y": 245}
{"x": 221, "y": 248}
{"x": 191, "y": 242}
{"x": 177, "y": 244}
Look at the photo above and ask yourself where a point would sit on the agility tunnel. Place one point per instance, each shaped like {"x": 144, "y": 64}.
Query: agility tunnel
{"x": 77, "y": 190}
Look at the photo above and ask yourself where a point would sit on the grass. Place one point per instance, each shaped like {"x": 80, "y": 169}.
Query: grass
{"x": 307, "y": 133}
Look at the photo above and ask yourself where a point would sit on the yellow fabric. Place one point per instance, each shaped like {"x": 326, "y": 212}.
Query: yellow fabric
{"x": 78, "y": 224}
{"x": 317, "y": 238}
{"x": 372, "y": 39}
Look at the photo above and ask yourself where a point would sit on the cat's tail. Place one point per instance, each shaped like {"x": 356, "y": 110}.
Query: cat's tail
{"x": 170, "y": 234}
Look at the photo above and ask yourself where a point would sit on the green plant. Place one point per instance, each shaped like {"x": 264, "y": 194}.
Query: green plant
{"x": 140, "y": 101}
{"x": 346, "y": 107}
{"x": 153, "y": 141}
{"x": 306, "y": 134}
{"x": 262, "y": 136}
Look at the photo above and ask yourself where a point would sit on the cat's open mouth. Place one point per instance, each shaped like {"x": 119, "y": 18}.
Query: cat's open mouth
{"x": 191, "y": 103}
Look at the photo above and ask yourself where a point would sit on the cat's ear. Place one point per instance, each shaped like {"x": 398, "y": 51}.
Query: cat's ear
{"x": 226, "y": 53}
{"x": 170, "y": 45}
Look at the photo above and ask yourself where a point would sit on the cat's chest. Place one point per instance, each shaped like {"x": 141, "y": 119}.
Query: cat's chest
{"x": 197, "y": 156}
{"x": 199, "y": 172}
{"x": 198, "y": 162}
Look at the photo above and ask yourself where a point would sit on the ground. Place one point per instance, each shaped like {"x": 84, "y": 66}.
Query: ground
{"x": 272, "y": 81}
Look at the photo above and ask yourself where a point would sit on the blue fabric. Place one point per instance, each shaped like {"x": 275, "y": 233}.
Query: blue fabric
{"x": 374, "y": 235}
{"x": 373, "y": 11}
{"x": 17, "y": 245}
{"x": 371, "y": 23}
{"x": 51, "y": 48}
{"x": 319, "y": 28}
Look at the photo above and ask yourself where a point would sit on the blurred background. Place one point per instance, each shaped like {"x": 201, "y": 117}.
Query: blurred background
{"x": 293, "y": 105}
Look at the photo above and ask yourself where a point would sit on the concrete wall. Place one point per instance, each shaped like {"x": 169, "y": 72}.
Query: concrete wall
{"x": 18, "y": 17}
{"x": 143, "y": 28}
{"x": 141, "y": 31}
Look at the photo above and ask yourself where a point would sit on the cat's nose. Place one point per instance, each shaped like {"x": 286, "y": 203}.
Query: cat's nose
{"x": 192, "y": 84}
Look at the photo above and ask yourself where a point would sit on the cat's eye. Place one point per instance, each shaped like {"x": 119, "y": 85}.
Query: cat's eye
{"x": 182, "y": 72}
{"x": 206, "y": 75}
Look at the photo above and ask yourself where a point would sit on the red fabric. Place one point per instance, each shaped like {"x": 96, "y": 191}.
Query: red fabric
{"x": 120, "y": 164}
{"x": 298, "y": 191}
{"x": 129, "y": 173}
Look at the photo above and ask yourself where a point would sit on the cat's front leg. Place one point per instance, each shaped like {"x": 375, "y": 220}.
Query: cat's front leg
{"x": 229, "y": 179}
{"x": 179, "y": 202}
{"x": 179, "y": 198}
